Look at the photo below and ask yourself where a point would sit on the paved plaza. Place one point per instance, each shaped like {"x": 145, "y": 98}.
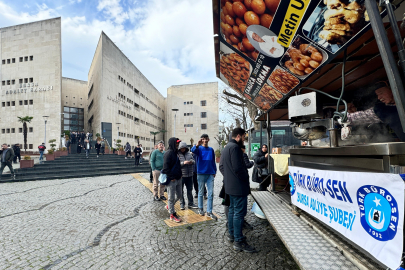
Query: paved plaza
{"x": 111, "y": 222}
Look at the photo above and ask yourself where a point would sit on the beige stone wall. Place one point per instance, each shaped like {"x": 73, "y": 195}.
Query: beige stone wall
{"x": 74, "y": 93}
{"x": 39, "y": 45}
{"x": 177, "y": 98}
{"x": 116, "y": 81}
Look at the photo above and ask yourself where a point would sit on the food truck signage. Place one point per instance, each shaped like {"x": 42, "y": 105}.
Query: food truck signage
{"x": 269, "y": 48}
{"x": 367, "y": 208}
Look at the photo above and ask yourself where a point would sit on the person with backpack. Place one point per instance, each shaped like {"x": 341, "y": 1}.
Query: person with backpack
{"x": 41, "y": 149}
{"x": 127, "y": 150}
{"x": 187, "y": 165}
{"x": 172, "y": 169}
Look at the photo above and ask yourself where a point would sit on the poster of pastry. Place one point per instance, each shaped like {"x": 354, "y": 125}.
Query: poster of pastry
{"x": 334, "y": 22}
{"x": 268, "y": 48}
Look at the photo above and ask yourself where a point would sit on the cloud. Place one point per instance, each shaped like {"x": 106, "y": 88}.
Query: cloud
{"x": 170, "y": 42}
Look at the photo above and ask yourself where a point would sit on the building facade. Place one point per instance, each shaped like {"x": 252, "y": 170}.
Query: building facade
{"x": 31, "y": 81}
{"x": 197, "y": 112}
{"x": 121, "y": 102}
{"x": 117, "y": 101}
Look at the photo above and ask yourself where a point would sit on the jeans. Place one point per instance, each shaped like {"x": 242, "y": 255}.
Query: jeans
{"x": 236, "y": 216}
{"x": 102, "y": 150}
{"x": 205, "y": 179}
{"x": 158, "y": 188}
{"x": 9, "y": 165}
{"x": 188, "y": 182}
{"x": 87, "y": 152}
{"x": 173, "y": 190}
{"x": 195, "y": 183}
{"x": 41, "y": 155}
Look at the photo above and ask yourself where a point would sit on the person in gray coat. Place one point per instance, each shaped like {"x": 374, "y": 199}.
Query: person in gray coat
{"x": 7, "y": 155}
{"x": 187, "y": 168}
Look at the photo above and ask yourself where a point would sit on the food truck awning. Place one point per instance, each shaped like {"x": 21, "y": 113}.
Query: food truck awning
{"x": 363, "y": 66}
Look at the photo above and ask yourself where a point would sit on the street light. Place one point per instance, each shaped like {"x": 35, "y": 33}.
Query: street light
{"x": 175, "y": 112}
{"x": 46, "y": 120}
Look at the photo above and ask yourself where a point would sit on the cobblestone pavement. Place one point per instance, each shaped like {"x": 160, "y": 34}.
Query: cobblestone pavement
{"x": 111, "y": 222}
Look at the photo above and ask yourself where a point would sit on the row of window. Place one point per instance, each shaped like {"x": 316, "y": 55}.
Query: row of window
{"x": 136, "y": 120}
{"x": 20, "y": 102}
{"x": 202, "y": 103}
{"x": 202, "y": 114}
{"x": 12, "y": 82}
{"x": 12, "y": 130}
{"x": 22, "y": 59}
{"x": 138, "y": 93}
{"x": 203, "y": 126}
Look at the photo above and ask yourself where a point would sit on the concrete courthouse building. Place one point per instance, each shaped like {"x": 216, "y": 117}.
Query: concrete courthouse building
{"x": 117, "y": 101}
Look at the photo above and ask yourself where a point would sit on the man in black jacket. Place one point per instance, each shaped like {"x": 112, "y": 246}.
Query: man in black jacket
{"x": 172, "y": 168}
{"x": 6, "y": 156}
{"x": 237, "y": 186}
{"x": 17, "y": 153}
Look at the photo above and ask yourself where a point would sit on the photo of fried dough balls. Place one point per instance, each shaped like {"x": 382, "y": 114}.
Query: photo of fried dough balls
{"x": 238, "y": 15}
{"x": 302, "y": 58}
{"x": 236, "y": 70}
{"x": 283, "y": 81}
{"x": 267, "y": 96}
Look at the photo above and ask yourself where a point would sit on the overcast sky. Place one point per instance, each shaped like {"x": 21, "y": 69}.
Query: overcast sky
{"x": 170, "y": 41}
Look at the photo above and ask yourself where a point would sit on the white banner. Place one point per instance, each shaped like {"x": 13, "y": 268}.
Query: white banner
{"x": 367, "y": 208}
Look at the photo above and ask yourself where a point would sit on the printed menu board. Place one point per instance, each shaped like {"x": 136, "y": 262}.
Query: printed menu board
{"x": 270, "y": 47}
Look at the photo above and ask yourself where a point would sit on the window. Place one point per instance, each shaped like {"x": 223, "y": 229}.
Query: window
{"x": 188, "y": 102}
{"x": 8, "y": 62}
{"x": 8, "y": 103}
{"x": 31, "y": 58}
{"x": 7, "y": 130}
{"x": 13, "y": 130}
{"x": 25, "y": 102}
{"x": 26, "y": 80}
{"x": 185, "y": 103}
{"x": 3, "y": 61}
{"x": 20, "y": 80}
{"x": 12, "y": 103}
{"x": 12, "y": 81}
{"x": 20, "y": 102}
{"x": 191, "y": 102}
{"x": 8, "y": 82}
{"x": 31, "y": 129}
{"x": 31, "y": 80}
{"x": 31, "y": 102}
{"x": 13, "y": 60}
{"x": 21, "y": 59}
{"x": 30, "y": 146}
{"x": 26, "y": 58}
{"x": 203, "y": 103}
{"x": 19, "y": 130}
{"x": 203, "y": 126}
{"x": 185, "y": 114}
{"x": 3, "y": 104}
{"x": 3, "y": 83}
{"x": 203, "y": 115}
{"x": 3, "y": 130}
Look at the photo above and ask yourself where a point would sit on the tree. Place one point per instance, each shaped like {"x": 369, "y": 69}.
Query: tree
{"x": 24, "y": 121}
{"x": 154, "y": 136}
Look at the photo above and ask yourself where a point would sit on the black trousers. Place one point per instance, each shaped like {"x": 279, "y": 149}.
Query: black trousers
{"x": 17, "y": 156}
{"x": 137, "y": 160}
{"x": 128, "y": 153}
{"x": 264, "y": 185}
{"x": 195, "y": 183}
{"x": 9, "y": 165}
{"x": 98, "y": 151}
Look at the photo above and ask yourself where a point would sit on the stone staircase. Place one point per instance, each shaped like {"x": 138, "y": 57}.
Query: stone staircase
{"x": 77, "y": 166}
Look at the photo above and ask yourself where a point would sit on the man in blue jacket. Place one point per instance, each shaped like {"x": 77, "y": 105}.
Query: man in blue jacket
{"x": 206, "y": 171}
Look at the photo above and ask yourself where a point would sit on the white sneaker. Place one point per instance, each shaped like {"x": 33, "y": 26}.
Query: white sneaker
{"x": 125, "y": 157}
{"x": 97, "y": 156}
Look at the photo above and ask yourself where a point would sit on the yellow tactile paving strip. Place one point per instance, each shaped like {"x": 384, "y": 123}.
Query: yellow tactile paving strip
{"x": 187, "y": 216}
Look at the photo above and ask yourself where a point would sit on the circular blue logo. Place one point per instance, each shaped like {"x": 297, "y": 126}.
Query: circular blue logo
{"x": 378, "y": 212}
{"x": 292, "y": 188}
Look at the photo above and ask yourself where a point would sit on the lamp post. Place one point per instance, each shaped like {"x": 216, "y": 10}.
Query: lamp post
{"x": 62, "y": 129}
{"x": 46, "y": 120}
{"x": 175, "y": 112}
